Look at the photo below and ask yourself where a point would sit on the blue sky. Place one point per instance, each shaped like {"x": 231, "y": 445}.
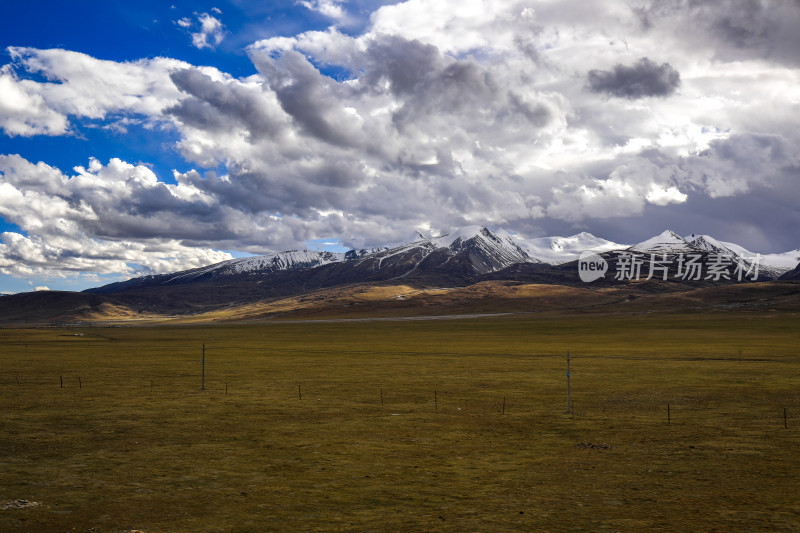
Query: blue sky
{"x": 124, "y": 31}
{"x": 121, "y": 31}
{"x": 154, "y": 136}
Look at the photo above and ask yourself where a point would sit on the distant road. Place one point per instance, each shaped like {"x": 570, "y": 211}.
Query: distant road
{"x": 382, "y": 319}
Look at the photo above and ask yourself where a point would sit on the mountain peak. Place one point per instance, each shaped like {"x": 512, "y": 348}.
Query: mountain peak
{"x": 665, "y": 242}
{"x": 487, "y": 250}
{"x": 708, "y": 243}
{"x": 463, "y": 234}
{"x": 558, "y": 250}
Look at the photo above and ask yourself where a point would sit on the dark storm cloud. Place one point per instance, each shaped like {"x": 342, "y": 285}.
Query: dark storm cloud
{"x": 216, "y": 106}
{"x": 733, "y": 29}
{"x": 642, "y": 79}
{"x": 741, "y": 189}
{"x": 752, "y": 152}
{"x": 295, "y": 190}
{"x": 535, "y": 115}
{"x": 431, "y": 86}
{"x": 309, "y": 97}
{"x": 740, "y": 163}
{"x": 756, "y": 28}
{"x": 461, "y": 86}
{"x": 403, "y": 63}
{"x": 743, "y": 28}
{"x": 339, "y": 174}
{"x": 764, "y": 219}
{"x": 463, "y": 83}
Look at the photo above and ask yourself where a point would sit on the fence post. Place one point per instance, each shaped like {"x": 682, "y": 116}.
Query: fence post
{"x": 569, "y": 403}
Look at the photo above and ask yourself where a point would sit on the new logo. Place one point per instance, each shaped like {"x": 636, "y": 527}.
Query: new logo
{"x": 591, "y": 266}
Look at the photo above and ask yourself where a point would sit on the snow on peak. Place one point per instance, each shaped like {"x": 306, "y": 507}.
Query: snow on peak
{"x": 784, "y": 261}
{"x": 364, "y": 252}
{"x": 499, "y": 245}
{"x": 280, "y": 261}
{"x": 499, "y": 238}
{"x": 666, "y": 242}
{"x": 557, "y": 250}
{"x": 710, "y": 244}
{"x": 463, "y": 234}
{"x": 498, "y": 249}
{"x": 777, "y": 262}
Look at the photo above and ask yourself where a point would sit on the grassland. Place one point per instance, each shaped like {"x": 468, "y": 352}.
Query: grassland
{"x": 445, "y": 425}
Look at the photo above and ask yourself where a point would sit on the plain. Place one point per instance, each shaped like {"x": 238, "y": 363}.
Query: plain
{"x": 677, "y": 424}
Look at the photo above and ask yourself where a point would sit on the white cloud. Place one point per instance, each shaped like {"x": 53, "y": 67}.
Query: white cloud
{"x": 24, "y": 112}
{"x": 612, "y": 197}
{"x": 454, "y": 27}
{"x": 659, "y": 195}
{"x": 104, "y": 219}
{"x": 81, "y": 86}
{"x": 211, "y": 33}
{"x": 328, "y": 8}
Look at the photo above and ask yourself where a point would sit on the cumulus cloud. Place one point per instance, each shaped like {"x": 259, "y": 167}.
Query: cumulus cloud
{"x": 210, "y": 30}
{"x": 103, "y": 219}
{"x": 640, "y": 80}
{"x": 735, "y": 165}
{"x": 329, "y": 8}
{"x": 24, "y": 112}
{"x": 660, "y": 195}
{"x": 730, "y": 30}
{"x": 80, "y": 86}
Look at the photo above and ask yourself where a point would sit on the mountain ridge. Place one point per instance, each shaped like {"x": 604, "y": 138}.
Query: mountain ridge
{"x": 463, "y": 256}
{"x": 491, "y": 262}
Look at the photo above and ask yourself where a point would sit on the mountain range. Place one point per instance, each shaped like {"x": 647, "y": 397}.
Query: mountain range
{"x": 462, "y": 258}
{"x": 464, "y": 255}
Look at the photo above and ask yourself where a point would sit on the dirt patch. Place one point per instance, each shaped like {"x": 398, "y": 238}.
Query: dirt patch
{"x": 18, "y": 504}
{"x": 593, "y": 446}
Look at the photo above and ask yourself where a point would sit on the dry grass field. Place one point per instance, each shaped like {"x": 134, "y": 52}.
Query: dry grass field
{"x": 406, "y": 425}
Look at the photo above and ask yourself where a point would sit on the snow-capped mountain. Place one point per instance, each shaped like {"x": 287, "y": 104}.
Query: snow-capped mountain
{"x": 786, "y": 260}
{"x": 292, "y": 259}
{"x": 468, "y": 251}
{"x": 262, "y": 264}
{"x": 493, "y": 250}
{"x": 667, "y": 242}
{"x": 558, "y": 250}
{"x": 671, "y": 243}
{"x": 769, "y": 265}
{"x": 465, "y": 255}
{"x": 710, "y": 244}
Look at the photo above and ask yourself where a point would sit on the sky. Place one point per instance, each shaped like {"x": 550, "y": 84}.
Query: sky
{"x": 149, "y": 137}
